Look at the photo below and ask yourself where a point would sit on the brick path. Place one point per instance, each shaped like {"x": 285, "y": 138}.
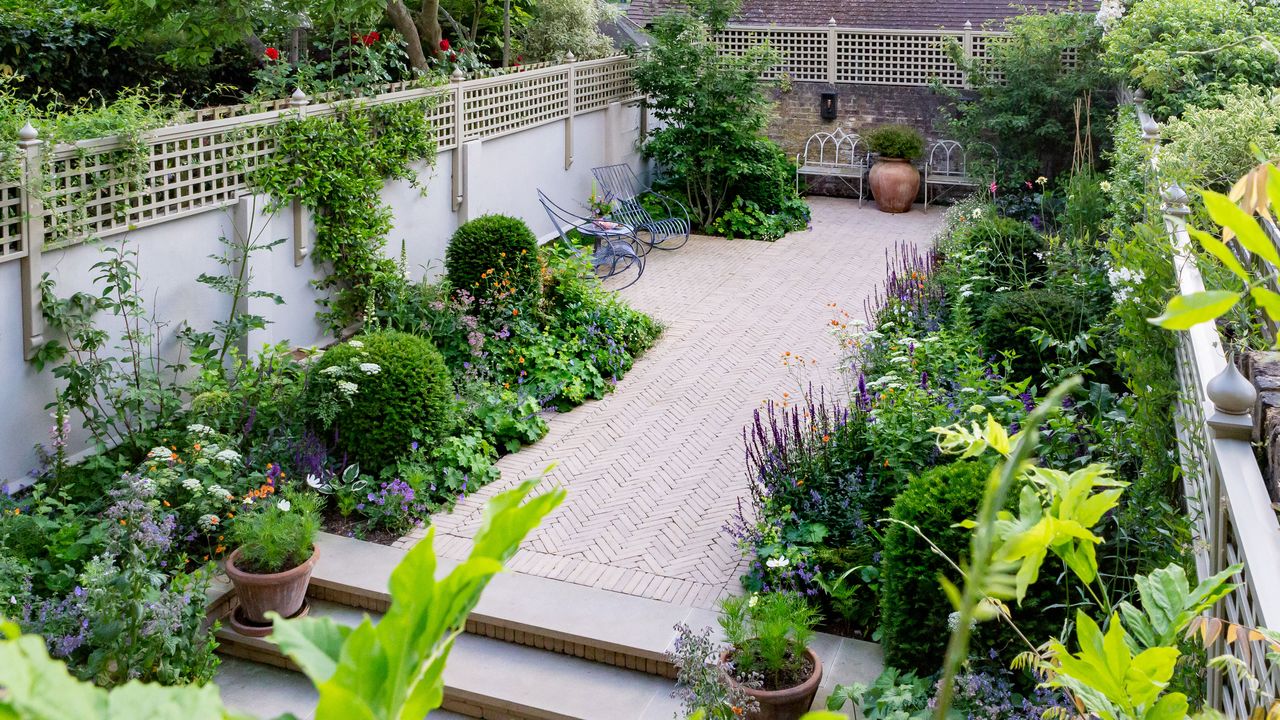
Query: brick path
{"x": 656, "y": 468}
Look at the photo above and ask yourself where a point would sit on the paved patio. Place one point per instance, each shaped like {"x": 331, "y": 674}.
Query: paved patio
{"x": 655, "y": 469}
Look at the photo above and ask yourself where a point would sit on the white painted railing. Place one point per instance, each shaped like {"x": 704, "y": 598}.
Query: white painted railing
{"x": 1231, "y": 514}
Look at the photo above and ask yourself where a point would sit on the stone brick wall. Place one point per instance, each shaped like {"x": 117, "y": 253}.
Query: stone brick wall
{"x": 861, "y": 107}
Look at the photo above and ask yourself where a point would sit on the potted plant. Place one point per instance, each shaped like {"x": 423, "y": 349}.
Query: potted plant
{"x": 770, "y": 658}
{"x": 894, "y": 180}
{"x": 272, "y": 564}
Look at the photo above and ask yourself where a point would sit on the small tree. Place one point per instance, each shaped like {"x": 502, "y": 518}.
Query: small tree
{"x": 563, "y": 26}
{"x": 712, "y": 107}
{"x": 1029, "y": 114}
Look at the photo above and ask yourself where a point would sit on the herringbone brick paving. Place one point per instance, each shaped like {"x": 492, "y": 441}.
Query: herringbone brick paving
{"x": 655, "y": 470}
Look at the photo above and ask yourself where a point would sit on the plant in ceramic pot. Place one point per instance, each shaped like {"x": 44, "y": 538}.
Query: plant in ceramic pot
{"x": 272, "y": 564}
{"x": 770, "y": 658}
{"x": 894, "y": 180}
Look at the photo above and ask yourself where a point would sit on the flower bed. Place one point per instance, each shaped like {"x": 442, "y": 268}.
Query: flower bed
{"x": 384, "y": 429}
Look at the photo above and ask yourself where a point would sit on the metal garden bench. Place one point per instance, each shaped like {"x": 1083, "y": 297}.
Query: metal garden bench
{"x": 616, "y": 252}
{"x": 623, "y": 188}
{"x": 835, "y": 155}
{"x": 948, "y": 166}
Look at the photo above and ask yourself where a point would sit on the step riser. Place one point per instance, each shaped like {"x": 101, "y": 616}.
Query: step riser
{"x": 498, "y": 630}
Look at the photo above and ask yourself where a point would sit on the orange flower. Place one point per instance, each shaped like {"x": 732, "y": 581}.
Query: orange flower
{"x": 166, "y": 503}
{"x": 886, "y": 463}
{"x": 197, "y": 447}
{"x": 123, "y": 521}
{"x": 173, "y": 456}
{"x": 826, "y": 438}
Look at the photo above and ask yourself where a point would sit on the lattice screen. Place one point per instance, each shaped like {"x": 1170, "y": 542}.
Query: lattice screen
{"x": 498, "y": 108}
{"x": 203, "y": 164}
{"x": 803, "y": 53}
{"x": 886, "y": 58}
{"x": 601, "y": 83}
{"x": 11, "y": 245}
{"x": 982, "y": 45}
{"x": 440, "y": 113}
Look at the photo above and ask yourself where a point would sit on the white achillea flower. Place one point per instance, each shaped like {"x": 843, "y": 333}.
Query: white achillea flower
{"x": 331, "y": 370}
{"x": 191, "y": 484}
{"x": 198, "y": 429}
{"x": 356, "y": 344}
{"x": 227, "y": 456}
{"x": 346, "y": 387}
{"x": 158, "y": 452}
{"x": 370, "y": 368}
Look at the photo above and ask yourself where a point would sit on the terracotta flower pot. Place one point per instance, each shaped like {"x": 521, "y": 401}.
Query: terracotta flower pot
{"x": 786, "y": 704}
{"x": 283, "y": 592}
{"x": 894, "y": 184}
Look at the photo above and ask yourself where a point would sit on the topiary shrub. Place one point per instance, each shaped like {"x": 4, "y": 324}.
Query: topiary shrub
{"x": 1012, "y": 248}
{"x": 896, "y": 141}
{"x": 1006, "y": 319}
{"x": 913, "y": 608}
{"x": 494, "y": 257}
{"x": 408, "y": 396}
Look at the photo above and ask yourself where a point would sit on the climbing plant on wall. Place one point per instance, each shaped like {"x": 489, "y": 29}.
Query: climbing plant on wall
{"x": 336, "y": 166}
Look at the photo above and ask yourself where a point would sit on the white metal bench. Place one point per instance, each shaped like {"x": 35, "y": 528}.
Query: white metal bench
{"x": 834, "y": 155}
{"x": 947, "y": 166}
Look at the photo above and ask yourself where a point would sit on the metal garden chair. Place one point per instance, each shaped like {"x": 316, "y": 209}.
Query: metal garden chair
{"x": 839, "y": 155}
{"x": 617, "y": 250}
{"x": 622, "y": 187}
{"x": 950, "y": 165}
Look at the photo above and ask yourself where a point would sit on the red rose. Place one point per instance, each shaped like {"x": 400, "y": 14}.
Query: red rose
{"x": 372, "y": 38}
{"x": 444, "y": 45}
{"x": 453, "y": 57}
{"x": 272, "y": 53}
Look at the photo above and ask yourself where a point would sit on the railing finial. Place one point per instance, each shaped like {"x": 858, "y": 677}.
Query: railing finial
{"x": 568, "y": 57}
{"x": 298, "y": 98}
{"x": 1176, "y": 200}
{"x": 1233, "y": 398}
{"x": 457, "y": 75}
{"x": 28, "y": 134}
{"x": 831, "y": 22}
{"x": 968, "y": 25}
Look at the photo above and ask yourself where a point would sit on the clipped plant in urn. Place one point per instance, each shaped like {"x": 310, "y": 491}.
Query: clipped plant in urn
{"x": 895, "y": 182}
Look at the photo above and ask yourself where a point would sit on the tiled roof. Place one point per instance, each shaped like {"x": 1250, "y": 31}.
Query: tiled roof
{"x": 895, "y": 14}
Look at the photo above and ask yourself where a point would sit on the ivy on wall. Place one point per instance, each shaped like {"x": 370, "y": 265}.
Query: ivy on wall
{"x": 336, "y": 166}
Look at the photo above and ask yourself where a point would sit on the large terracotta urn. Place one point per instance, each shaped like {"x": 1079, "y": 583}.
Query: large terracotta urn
{"x": 785, "y": 704}
{"x": 894, "y": 184}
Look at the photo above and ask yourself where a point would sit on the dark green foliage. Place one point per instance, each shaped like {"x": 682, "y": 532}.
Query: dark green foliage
{"x": 1029, "y": 115}
{"x": 1009, "y": 320}
{"x": 58, "y": 49}
{"x": 896, "y": 141}
{"x": 913, "y": 608}
{"x": 493, "y": 257}
{"x": 1011, "y": 248}
{"x": 408, "y": 399}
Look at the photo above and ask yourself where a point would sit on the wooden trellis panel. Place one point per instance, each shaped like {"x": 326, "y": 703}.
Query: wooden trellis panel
{"x": 204, "y": 164}
{"x": 599, "y": 83}
{"x": 803, "y": 52}
{"x": 492, "y": 109}
{"x": 892, "y": 58}
{"x": 11, "y": 245}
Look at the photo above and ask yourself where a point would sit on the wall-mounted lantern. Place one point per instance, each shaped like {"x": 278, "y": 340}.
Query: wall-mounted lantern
{"x": 829, "y": 106}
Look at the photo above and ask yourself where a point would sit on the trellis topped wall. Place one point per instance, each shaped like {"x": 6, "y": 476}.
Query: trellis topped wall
{"x": 868, "y": 56}
{"x": 63, "y": 195}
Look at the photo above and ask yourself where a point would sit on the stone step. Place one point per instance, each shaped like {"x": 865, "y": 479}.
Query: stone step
{"x": 607, "y": 627}
{"x": 484, "y": 678}
{"x": 547, "y": 617}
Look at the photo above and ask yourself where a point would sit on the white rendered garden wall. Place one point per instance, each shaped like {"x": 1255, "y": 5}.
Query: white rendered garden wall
{"x": 540, "y": 129}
